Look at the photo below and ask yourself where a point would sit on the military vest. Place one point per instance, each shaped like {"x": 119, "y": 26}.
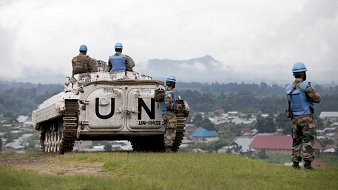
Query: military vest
{"x": 118, "y": 62}
{"x": 162, "y": 104}
{"x": 300, "y": 105}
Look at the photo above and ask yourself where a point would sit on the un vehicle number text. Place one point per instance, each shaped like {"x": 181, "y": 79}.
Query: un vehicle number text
{"x": 149, "y": 122}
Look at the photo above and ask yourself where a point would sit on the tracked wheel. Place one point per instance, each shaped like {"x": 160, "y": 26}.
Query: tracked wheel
{"x": 179, "y": 132}
{"x": 59, "y": 135}
{"x": 156, "y": 143}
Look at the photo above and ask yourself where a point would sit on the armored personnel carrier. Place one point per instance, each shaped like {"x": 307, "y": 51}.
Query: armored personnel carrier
{"x": 105, "y": 106}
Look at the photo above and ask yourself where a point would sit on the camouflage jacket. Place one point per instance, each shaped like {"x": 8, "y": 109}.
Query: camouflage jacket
{"x": 129, "y": 62}
{"x": 309, "y": 91}
{"x": 82, "y": 64}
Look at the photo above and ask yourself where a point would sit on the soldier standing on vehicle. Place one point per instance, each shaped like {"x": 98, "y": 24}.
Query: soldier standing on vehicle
{"x": 168, "y": 107}
{"x": 82, "y": 63}
{"x": 301, "y": 96}
{"x": 119, "y": 61}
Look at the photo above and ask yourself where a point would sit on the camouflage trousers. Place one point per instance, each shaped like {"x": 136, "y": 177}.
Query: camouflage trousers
{"x": 303, "y": 134}
{"x": 169, "y": 121}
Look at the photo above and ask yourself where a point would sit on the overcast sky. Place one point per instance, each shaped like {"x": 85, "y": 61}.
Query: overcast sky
{"x": 255, "y": 39}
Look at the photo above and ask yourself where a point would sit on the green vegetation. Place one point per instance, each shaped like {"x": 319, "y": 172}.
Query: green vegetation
{"x": 21, "y": 98}
{"x": 332, "y": 161}
{"x": 211, "y": 146}
{"x": 248, "y": 98}
{"x": 8, "y": 117}
{"x": 266, "y": 124}
{"x": 32, "y": 144}
{"x": 156, "y": 171}
{"x": 205, "y": 122}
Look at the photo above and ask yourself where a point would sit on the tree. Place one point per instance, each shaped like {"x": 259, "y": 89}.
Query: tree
{"x": 32, "y": 143}
{"x": 327, "y": 141}
{"x": 262, "y": 154}
{"x": 233, "y": 130}
{"x": 206, "y": 124}
{"x": 320, "y": 123}
{"x": 266, "y": 124}
{"x": 197, "y": 118}
{"x": 107, "y": 147}
{"x": 9, "y": 137}
{"x": 0, "y": 144}
{"x": 213, "y": 145}
{"x": 283, "y": 123}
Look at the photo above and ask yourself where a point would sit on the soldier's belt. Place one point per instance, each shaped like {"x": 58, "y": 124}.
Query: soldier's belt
{"x": 305, "y": 115}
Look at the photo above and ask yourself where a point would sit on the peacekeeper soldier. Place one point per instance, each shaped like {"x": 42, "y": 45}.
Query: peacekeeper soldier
{"x": 301, "y": 96}
{"x": 168, "y": 108}
{"x": 82, "y": 63}
{"x": 119, "y": 61}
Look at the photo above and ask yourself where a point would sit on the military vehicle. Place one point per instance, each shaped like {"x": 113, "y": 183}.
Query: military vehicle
{"x": 105, "y": 106}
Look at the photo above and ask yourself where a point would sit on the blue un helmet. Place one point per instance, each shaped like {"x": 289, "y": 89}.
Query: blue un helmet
{"x": 118, "y": 45}
{"x": 83, "y": 48}
{"x": 170, "y": 79}
{"x": 298, "y": 67}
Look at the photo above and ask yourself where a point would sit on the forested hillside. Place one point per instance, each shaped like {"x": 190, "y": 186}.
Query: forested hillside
{"x": 248, "y": 97}
{"x": 21, "y": 98}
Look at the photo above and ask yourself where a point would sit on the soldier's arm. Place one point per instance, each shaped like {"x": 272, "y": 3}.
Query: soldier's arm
{"x": 109, "y": 65}
{"x": 129, "y": 63}
{"x": 168, "y": 102}
{"x": 73, "y": 66}
{"x": 312, "y": 94}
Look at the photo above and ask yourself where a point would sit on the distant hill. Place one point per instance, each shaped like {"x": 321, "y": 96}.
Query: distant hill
{"x": 40, "y": 88}
{"x": 204, "y": 68}
{"x": 207, "y": 61}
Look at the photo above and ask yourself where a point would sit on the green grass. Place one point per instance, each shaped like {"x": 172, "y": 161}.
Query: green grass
{"x": 163, "y": 171}
{"x": 330, "y": 160}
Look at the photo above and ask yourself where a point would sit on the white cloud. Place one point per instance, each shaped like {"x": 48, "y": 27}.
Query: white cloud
{"x": 258, "y": 39}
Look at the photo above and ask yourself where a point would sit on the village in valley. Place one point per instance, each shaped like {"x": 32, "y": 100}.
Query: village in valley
{"x": 213, "y": 132}
{"x": 250, "y": 141}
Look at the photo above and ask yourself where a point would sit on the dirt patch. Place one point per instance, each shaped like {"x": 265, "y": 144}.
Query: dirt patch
{"x": 50, "y": 164}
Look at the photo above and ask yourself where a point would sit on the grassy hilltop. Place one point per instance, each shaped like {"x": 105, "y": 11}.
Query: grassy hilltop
{"x": 122, "y": 170}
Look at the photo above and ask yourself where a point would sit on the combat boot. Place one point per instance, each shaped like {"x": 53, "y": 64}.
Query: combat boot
{"x": 295, "y": 165}
{"x": 307, "y": 165}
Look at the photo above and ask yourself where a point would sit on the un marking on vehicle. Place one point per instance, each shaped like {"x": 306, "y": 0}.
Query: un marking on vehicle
{"x": 141, "y": 106}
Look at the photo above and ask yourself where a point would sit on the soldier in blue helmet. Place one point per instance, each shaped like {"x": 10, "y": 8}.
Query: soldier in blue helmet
{"x": 82, "y": 63}
{"x": 301, "y": 98}
{"x": 119, "y": 61}
{"x": 168, "y": 108}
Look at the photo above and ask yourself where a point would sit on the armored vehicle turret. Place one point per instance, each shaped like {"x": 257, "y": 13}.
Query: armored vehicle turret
{"x": 105, "y": 106}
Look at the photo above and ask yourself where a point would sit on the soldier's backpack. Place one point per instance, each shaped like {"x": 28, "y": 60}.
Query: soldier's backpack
{"x": 159, "y": 95}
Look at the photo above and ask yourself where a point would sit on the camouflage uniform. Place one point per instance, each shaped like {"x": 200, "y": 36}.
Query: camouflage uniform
{"x": 303, "y": 128}
{"x": 82, "y": 64}
{"x": 169, "y": 119}
{"x": 129, "y": 62}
